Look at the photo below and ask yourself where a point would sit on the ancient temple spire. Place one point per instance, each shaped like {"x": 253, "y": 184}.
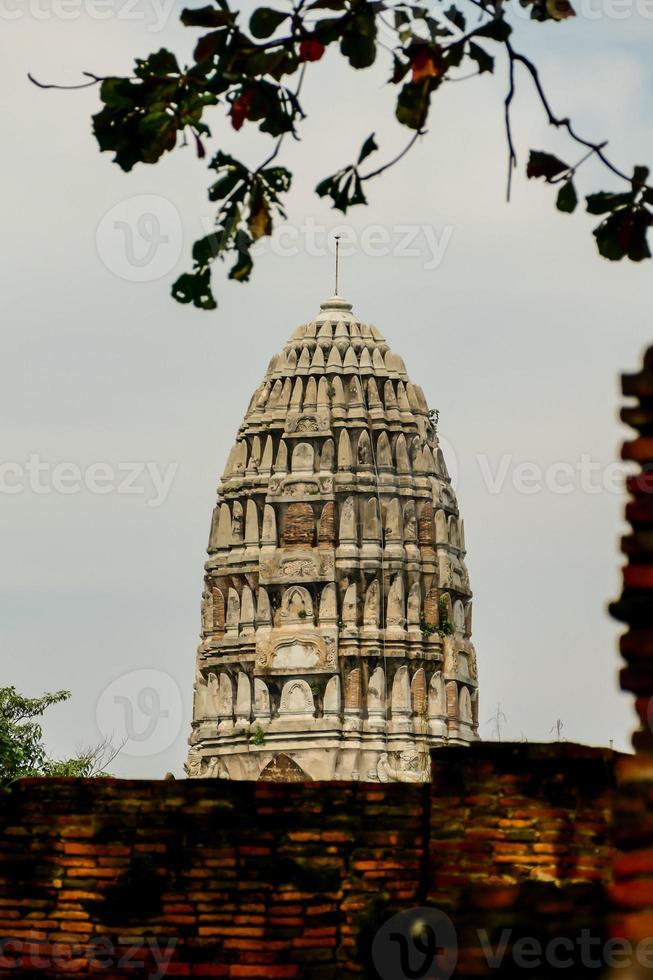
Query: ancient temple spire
{"x": 336, "y": 626}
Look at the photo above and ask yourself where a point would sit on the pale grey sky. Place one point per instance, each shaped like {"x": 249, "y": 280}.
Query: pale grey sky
{"x": 516, "y": 335}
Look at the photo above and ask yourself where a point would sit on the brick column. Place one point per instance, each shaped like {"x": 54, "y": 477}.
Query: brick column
{"x": 632, "y": 892}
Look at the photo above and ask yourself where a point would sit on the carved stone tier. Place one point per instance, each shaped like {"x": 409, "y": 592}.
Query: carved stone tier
{"x": 336, "y": 614}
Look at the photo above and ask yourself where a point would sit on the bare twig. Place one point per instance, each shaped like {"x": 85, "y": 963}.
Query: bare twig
{"x": 400, "y": 156}
{"x": 95, "y": 79}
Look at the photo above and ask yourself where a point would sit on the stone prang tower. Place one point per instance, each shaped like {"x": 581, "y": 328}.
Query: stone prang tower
{"x": 336, "y": 615}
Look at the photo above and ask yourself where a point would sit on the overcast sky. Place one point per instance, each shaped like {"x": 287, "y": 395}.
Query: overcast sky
{"x": 505, "y": 315}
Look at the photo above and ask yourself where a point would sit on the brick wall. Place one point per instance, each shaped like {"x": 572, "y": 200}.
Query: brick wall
{"x": 269, "y": 880}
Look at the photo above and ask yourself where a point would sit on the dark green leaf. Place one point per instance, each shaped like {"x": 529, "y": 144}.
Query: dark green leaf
{"x": 497, "y": 29}
{"x": 162, "y": 62}
{"x": 265, "y": 21}
{"x": 413, "y": 102}
{"x": 206, "y": 249}
{"x": 545, "y": 165}
{"x": 624, "y": 233}
{"x": 242, "y": 268}
{"x": 640, "y": 176}
{"x": 454, "y": 54}
{"x": 206, "y": 17}
{"x": 195, "y": 288}
{"x": 567, "y": 198}
{"x": 327, "y": 5}
{"x": 603, "y": 202}
{"x": 400, "y": 70}
{"x": 223, "y": 187}
{"x": 484, "y": 60}
{"x": 456, "y": 17}
{"x": 369, "y": 146}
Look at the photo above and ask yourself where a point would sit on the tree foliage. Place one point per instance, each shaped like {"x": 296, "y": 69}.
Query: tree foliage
{"x": 255, "y": 74}
{"x": 22, "y": 752}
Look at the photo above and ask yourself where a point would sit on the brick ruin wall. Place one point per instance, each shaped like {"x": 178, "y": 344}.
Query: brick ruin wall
{"x": 252, "y": 880}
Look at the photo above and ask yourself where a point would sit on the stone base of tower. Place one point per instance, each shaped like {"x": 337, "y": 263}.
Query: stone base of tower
{"x": 327, "y": 755}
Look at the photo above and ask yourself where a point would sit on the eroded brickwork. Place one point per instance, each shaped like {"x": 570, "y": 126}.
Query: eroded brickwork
{"x": 240, "y": 879}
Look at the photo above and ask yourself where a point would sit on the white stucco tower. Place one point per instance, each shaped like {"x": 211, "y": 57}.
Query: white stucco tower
{"x": 336, "y": 615}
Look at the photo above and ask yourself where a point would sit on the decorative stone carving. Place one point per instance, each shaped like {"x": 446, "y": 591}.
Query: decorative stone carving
{"x": 364, "y": 452}
{"x": 218, "y": 605}
{"x": 296, "y": 606}
{"x": 383, "y": 452}
{"x": 407, "y": 771}
{"x": 237, "y": 523}
{"x": 396, "y": 614}
{"x": 371, "y": 529}
{"x": 459, "y": 616}
{"x": 347, "y": 522}
{"x": 295, "y": 651}
{"x": 332, "y": 698}
{"x": 328, "y": 606}
{"x": 268, "y": 457}
{"x": 233, "y": 613}
{"x": 281, "y": 464}
{"x": 437, "y": 705}
{"x": 296, "y": 699}
{"x": 261, "y": 700}
{"x": 327, "y": 456}
{"x": 263, "y": 610}
{"x": 327, "y": 527}
{"x": 401, "y": 702}
{"x": 303, "y": 458}
{"x": 207, "y": 611}
{"x": 353, "y": 691}
{"x": 251, "y": 530}
{"x": 372, "y": 605}
{"x": 269, "y": 531}
{"x": 350, "y": 606}
{"x": 465, "y": 706}
{"x": 243, "y": 701}
{"x": 297, "y": 565}
{"x": 246, "y": 611}
{"x": 401, "y": 455}
{"x": 345, "y": 461}
{"x": 376, "y": 699}
{"x": 414, "y": 605}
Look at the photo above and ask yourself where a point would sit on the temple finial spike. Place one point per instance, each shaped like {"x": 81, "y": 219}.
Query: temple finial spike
{"x": 337, "y": 237}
